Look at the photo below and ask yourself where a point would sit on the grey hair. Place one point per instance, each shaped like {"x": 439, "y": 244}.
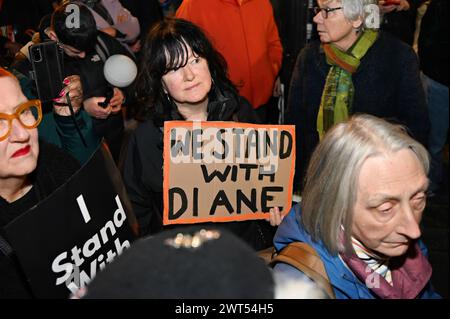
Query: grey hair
{"x": 331, "y": 181}
{"x": 358, "y": 9}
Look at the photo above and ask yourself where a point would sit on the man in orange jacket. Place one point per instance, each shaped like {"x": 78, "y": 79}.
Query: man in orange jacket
{"x": 244, "y": 31}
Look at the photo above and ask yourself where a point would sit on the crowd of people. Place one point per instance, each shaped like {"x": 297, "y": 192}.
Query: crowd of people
{"x": 371, "y": 122}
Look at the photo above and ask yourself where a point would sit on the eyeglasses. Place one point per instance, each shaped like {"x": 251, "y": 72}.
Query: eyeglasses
{"x": 29, "y": 115}
{"x": 325, "y": 11}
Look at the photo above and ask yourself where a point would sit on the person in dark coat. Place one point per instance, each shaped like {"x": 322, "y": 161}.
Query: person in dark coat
{"x": 353, "y": 69}
{"x": 433, "y": 54}
{"x": 182, "y": 77}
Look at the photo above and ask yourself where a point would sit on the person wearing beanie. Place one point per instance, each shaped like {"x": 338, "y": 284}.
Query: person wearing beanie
{"x": 193, "y": 262}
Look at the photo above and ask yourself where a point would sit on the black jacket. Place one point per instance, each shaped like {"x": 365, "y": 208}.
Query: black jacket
{"x": 54, "y": 168}
{"x": 434, "y": 43}
{"x": 402, "y": 24}
{"x": 90, "y": 70}
{"x": 143, "y": 174}
{"x": 387, "y": 84}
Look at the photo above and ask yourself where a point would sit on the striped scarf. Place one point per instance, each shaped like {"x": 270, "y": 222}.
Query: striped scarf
{"x": 377, "y": 263}
{"x": 405, "y": 278}
{"x": 337, "y": 96}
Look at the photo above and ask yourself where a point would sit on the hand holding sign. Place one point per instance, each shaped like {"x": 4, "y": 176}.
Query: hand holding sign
{"x": 275, "y": 217}
{"x": 63, "y": 242}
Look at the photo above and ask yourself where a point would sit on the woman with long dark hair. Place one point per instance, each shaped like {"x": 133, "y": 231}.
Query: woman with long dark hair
{"x": 182, "y": 77}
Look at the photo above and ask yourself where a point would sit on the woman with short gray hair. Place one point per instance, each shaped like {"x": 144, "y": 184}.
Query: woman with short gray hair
{"x": 354, "y": 68}
{"x": 362, "y": 204}
{"x": 355, "y": 10}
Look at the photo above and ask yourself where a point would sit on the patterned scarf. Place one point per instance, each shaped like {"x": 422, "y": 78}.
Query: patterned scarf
{"x": 337, "y": 96}
{"x": 377, "y": 263}
{"x": 410, "y": 274}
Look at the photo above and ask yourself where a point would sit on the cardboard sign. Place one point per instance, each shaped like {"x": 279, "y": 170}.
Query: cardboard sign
{"x": 71, "y": 235}
{"x": 226, "y": 171}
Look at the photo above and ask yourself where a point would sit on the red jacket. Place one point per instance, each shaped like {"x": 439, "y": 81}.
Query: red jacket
{"x": 247, "y": 36}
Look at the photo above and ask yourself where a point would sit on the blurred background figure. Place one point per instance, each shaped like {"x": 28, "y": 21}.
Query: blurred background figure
{"x": 434, "y": 56}
{"x": 399, "y": 18}
{"x": 193, "y": 263}
{"x": 186, "y": 263}
{"x": 147, "y": 12}
{"x": 169, "y": 7}
{"x": 245, "y": 33}
{"x": 17, "y": 25}
{"x": 112, "y": 18}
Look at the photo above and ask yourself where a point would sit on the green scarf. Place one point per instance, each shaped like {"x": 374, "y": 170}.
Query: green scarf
{"x": 337, "y": 96}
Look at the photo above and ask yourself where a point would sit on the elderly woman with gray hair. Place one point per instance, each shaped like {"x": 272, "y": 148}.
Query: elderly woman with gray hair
{"x": 363, "y": 200}
{"x": 354, "y": 68}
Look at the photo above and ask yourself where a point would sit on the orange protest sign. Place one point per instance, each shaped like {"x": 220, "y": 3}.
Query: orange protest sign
{"x": 226, "y": 171}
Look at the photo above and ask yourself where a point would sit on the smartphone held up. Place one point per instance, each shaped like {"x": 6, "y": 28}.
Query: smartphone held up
{"x": 48, "y": 69}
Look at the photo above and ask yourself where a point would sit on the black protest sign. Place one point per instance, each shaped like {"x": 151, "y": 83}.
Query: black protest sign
{"x": 71, "y": 235}
{"x": 226, "y": 171}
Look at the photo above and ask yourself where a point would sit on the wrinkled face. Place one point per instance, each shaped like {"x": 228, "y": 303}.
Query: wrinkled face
{"x": 390, "y": 201}
{"x": 336, "y": 29}
{"x": 19, "y": 151}
{"x": 189, "y": 84}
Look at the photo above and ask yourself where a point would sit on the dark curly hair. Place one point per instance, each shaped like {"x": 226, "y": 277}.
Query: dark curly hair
{"x": 166, "y": 48}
